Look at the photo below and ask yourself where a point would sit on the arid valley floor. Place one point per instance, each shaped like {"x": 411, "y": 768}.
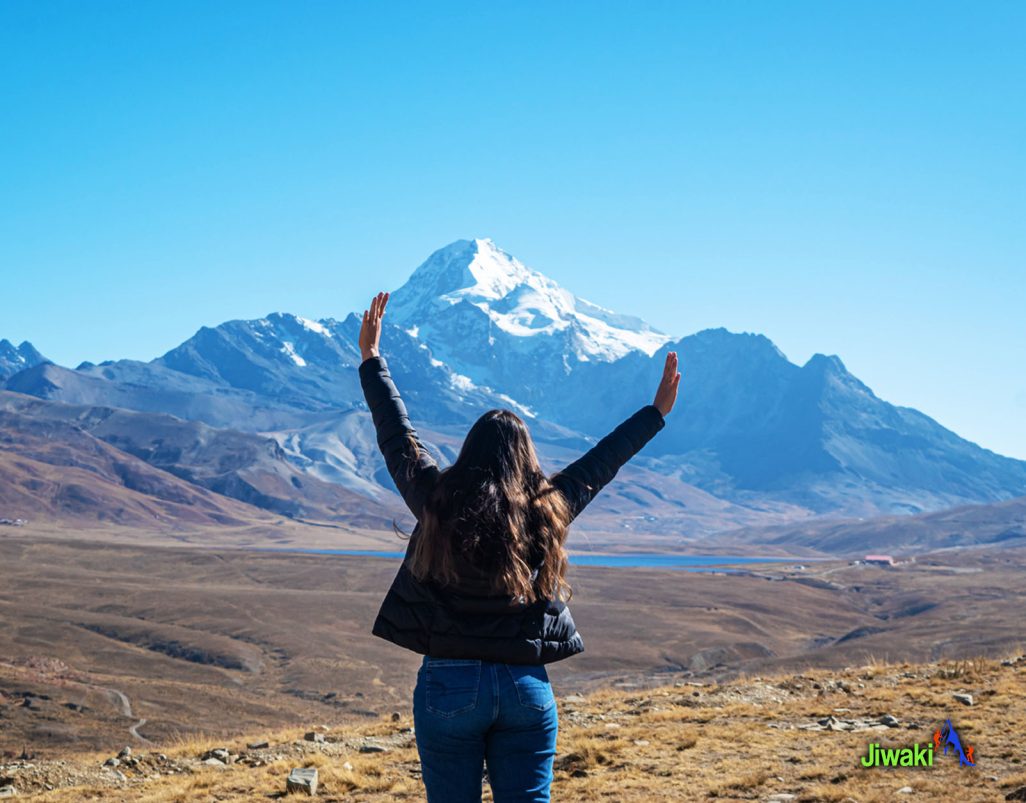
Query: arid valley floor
{"x": 780, "y": 737}
{"x": 105, "y": 643}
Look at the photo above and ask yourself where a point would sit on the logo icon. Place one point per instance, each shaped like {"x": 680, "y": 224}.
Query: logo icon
{"x": 949, "y": 736}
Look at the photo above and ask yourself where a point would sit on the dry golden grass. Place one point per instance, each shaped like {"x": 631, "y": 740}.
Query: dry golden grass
{"x": 676, "y": 743}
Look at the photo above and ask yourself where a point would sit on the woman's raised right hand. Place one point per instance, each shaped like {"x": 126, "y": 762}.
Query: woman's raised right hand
{"x": 666, "y": 394}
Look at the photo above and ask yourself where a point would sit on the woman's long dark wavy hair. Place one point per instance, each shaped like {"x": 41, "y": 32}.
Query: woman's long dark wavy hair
{"x": 496, "y": 509}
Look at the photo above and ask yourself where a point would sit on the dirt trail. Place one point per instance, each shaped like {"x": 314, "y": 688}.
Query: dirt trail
{"x": 120, "y": 699}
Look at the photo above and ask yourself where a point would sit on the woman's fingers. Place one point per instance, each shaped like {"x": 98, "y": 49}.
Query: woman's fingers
{"x": 670, "y": 367}
{"x": 378, "y": 303}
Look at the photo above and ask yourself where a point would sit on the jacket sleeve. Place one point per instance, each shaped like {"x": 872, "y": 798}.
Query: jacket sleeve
{"x": 413, "y": 471}
{"x": 581, "y": 481}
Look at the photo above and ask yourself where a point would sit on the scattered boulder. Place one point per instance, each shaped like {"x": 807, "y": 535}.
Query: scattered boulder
{"x": 396, "y": 716}
{"x": 125, "y": 752}
{"x": 832, "y": 723}
{"x": 258, "y": 745}
{"x": 370, "y": 747}
{"x": 213, "y": 762}
{"x": 112, "y": 762}
{"x": 963, "y": 698}
{"x": 906, "y": 790}
{"x": 303, "y": 780}
{"x": 219, "y": 754}
{"x": 314, "y": 736}
{"x": 1019, "y": 794}
{"x": 8, "y": 791}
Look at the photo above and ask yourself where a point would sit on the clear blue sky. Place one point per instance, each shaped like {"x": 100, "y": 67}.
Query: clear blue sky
{"x": 844, "y": 177}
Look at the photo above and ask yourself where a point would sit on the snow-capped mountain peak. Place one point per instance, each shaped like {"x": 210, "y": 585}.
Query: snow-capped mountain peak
{"x": 513, "y": 300}
{"x": 17, "y": 358}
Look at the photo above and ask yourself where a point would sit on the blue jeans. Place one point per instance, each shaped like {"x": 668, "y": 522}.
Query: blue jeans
{"x": 467, "y": 712}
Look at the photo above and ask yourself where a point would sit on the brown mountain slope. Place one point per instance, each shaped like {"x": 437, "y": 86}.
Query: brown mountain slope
{"x": 50, "y": 470}
{"x": 969, "y": 525}
{"x": 244, "y": 466}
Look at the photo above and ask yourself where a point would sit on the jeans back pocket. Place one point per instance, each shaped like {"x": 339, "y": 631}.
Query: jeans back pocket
{"x": 451, "y": 685}
{"x": 533, "y": 688}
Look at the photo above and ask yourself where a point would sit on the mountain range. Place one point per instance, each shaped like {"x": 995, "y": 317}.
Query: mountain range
{"x": 270, "y": 411}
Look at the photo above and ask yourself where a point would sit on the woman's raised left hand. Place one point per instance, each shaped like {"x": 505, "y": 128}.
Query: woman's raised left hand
{"x": 370, "y": 329}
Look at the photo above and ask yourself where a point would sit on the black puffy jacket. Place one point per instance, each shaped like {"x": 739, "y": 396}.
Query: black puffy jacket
{"x": 467, "y": 620}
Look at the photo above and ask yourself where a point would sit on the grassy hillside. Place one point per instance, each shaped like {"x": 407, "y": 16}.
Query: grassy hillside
{"x": 759, "y": 738}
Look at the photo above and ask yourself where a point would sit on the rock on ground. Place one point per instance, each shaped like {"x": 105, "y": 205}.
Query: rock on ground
{"x": 302, "y": 779}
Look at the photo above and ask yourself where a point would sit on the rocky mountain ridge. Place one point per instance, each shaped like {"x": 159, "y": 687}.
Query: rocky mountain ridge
{"x": 473, "y": 329}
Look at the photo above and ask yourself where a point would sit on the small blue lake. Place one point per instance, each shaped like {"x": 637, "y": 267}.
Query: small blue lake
{"x": 691, "y": 563}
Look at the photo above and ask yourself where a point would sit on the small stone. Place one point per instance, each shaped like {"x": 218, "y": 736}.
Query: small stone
{"x": 890, "y": 721}
{"x": 373, "y": 748}
{"x": 641, "y": 742}
{"x": 314, "y": 736}
{"x": 125, "y": 752}
{"x": 1018, "y": 794}
{"x": 302, "y": 779}
{"x": 213, "y": 762}
{"x": 782, "y": 796}
{"x": 906, "y": 790}
{"x": 161, "y": 757}
{"x": 396, "y": 716}
{"x": 112, "y": 762}
{"x": 347, "y": 766}
{"x": 964, "y": 699}
{"x": 258, "y": 745}
{"x": 8, "y": 791}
